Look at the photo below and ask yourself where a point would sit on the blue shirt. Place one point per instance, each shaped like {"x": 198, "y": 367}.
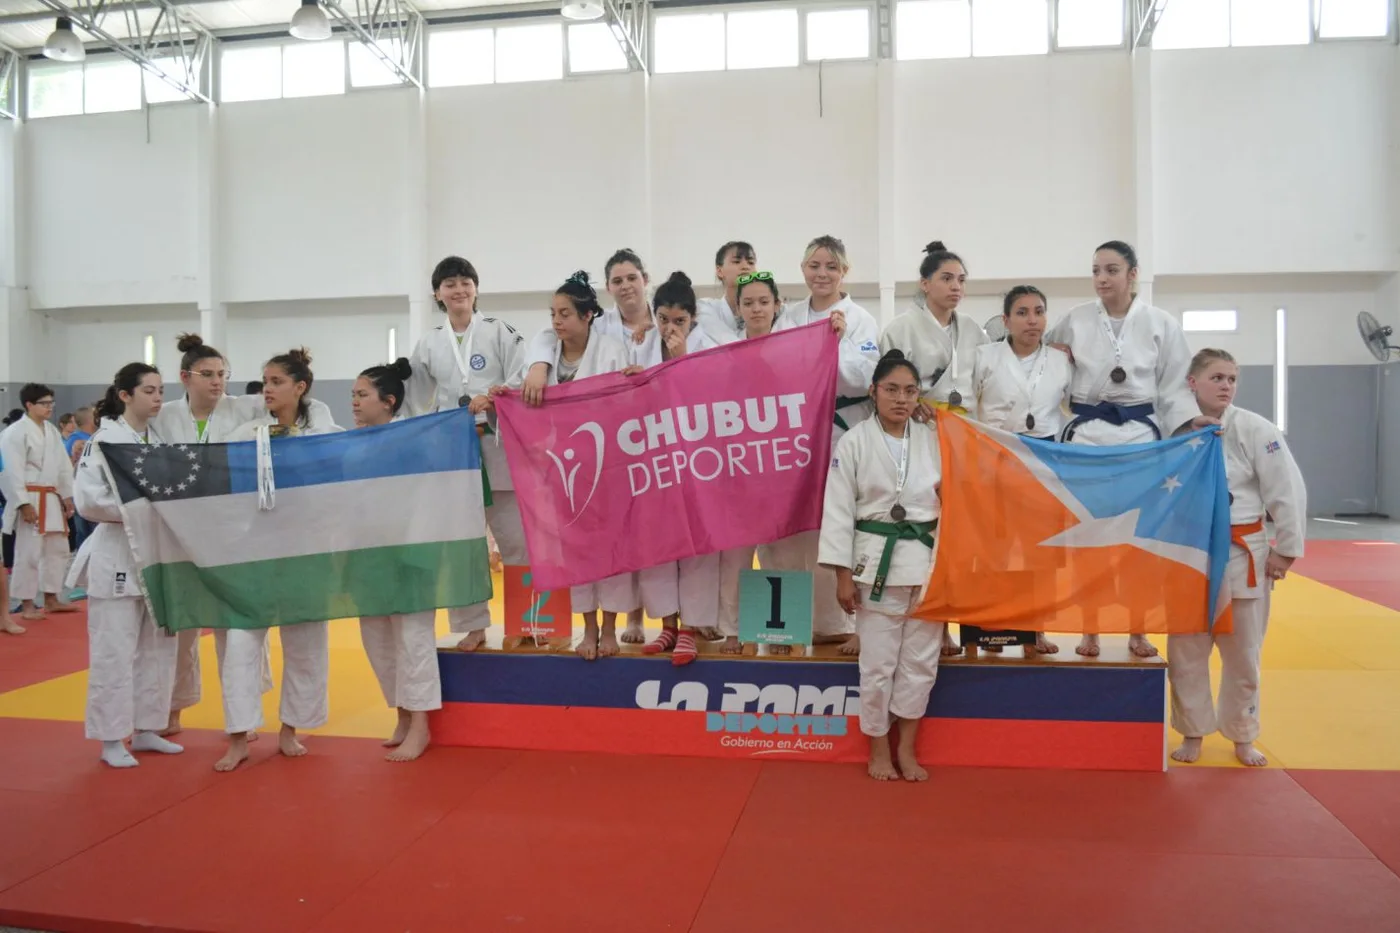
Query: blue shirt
{"x": 73, "y": 439}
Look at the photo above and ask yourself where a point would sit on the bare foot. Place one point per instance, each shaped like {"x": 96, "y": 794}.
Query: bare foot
{"x": 709, "y": 633}
{"x": 1188, "y": 751}
{"x": 1088, "y": 646}
{"x": 59, "y": 607}
{"x": 780, "y": 649}
{"x": 472, "y": 641}
{"x": 1141, "y": 647}
{"x": 1044, "y": 645}
{"x": 252, "y": 736}
{"x": 400, "y": 730}
{"x": 909, "y": 765}
{"x": 10, "y": 626}
{"x": 880, "y": 767}
{"x": 288, "y": 743}
{"x": 837, "y": 638}
{"x": 172, "y": 726}
{"x": 635, "y": 633}
{"x": 950, "y": 648}
{"x": 607, "y": 645}
{"x": 731, "y": 645}
{"x": 415, "y": 741}
{"x": 588, "y": 648}
{"x": 33, "y": 615}
{"x": 851, "y": 646}
{"x": 1249, "y": 756}
{"x": 237, "y": 753}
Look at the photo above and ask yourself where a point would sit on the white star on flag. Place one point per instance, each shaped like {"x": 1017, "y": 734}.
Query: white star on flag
{"x": 1195, "y": 442}
{"x": 1122, "y": 530}
{"x": 1171, "y": 485}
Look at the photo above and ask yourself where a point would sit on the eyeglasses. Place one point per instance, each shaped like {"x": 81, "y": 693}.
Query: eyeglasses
{"x": 209, "y": 373}
{"x": 43, "y": 403}
{"x": 895, "y": 391}
{"x": 748, "y": 277}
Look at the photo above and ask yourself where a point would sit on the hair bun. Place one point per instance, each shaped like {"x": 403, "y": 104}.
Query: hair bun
{"x": 580, "y": 278}
{"x": 935, "y": 247}
{"x": 301, "y": 355}
{"x": 679, "y": 278}
{"x": 894, "y": 354}
{"x": 187, "y": 342}
{"x": 402, "y": 368}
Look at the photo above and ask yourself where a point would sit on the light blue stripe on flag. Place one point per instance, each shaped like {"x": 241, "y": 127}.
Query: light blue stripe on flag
{"x": 438, "y": 443}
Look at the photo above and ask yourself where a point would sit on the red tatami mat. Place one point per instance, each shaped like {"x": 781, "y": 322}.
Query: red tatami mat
{"x": 1368, "y": 569}
{"x": 482, "y": 840}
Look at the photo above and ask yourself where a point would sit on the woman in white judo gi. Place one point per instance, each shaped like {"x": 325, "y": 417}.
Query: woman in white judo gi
{"x": 1129, "y": 385}
{"x": 934, "y": 336}
{"x": 1020, "y": 385}
{"x": 941, "y": 342}
{"x": 881, "y": 510}
{"x": 38, "y": 504}
{"x": 207, "y": 415}
{"x": 695, "y": 579}
{"x": 305, "y": 702}
{"x": 402, "y": 649}
{"x": 131, "y": 661}
{"x": 457, "y": 364}
{"x": 580, "y": 352}
{"x": 1265, "y": 484}
{"x": 720, "y": 317}
{"x": 824, "y": 268}
{"x": 760, "y": 304}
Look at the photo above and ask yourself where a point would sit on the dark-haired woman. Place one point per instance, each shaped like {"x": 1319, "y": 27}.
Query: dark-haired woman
{"x": 1020, "y": 385}
{"x": 1130, "y": 366}
{"x": 824, "y": 269}
{"x": 131, "y": 662}
{"x": 878, "y": 525}
{"x": 580, "y": 352}
{"x": 206, "y": 415}
{"x": 934, "y": 336}
{"x": 719, "y": 317}
{"x": 457, "y": 364}
{"x": 287, "y": 380}
{"x": 402, "y": 649}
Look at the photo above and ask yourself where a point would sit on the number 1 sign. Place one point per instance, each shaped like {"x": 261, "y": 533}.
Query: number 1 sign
{"x": 775, "y": 607}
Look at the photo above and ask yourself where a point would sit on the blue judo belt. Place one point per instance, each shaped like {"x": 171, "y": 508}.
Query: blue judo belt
{"x": 1112, "y": 413}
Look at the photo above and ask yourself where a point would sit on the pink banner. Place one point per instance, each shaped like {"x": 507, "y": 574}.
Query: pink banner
{"x": 719, "y": 449}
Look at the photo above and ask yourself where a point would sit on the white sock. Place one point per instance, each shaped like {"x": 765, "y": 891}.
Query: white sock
{"x": 114, "y": 754}
{"x": 150, "y": 742}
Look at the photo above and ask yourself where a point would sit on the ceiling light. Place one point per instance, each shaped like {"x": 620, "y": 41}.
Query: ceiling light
{"x": 310, "y": 22}
{"x": 62, "y": 45}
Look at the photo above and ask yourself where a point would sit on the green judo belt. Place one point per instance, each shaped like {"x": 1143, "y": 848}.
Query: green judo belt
{"x": 892, "y": 532}
{"x": 846, "y": 402}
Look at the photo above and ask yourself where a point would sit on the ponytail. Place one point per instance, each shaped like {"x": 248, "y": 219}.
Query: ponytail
{"x": 126, "y": 380}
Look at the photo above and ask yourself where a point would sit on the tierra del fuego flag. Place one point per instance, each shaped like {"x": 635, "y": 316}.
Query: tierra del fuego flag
{"x": 1038, "y": 536}
{"x": 369, "y": 522}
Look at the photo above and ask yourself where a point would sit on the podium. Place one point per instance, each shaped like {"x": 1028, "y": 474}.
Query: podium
{"x": 1057, "y": 711}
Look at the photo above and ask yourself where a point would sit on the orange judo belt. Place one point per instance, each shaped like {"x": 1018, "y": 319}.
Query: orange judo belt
{"x": 1237, "y": 535}
{"x": 43, "y": 492}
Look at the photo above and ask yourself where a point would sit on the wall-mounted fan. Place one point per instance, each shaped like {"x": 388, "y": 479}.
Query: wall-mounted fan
{"x": 995, "y": 329}
{"x": 1376, "y": 336}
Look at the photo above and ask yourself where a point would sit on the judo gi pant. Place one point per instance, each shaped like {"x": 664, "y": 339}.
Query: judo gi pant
{"x": 732, "y": 563}
{"x": 131, "y": 666}
{"x": 305, "y": 677}
{"x": 402, "y": 650}
{"x": 41, "y": 562}
{"x": 613, "y": 594}
{"x": 799, "y": 552}
{"x": 697, "y": 584}
{"x": 188, "y": 677}
{"x": 1194, "y": 713}
{"x": 503, "y": 519}
{"x": 898, "y": 658}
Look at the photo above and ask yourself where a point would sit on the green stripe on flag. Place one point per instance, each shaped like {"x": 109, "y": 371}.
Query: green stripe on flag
{"x": 377, "y": 581}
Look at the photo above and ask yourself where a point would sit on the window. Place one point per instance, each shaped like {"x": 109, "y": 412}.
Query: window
{"x": 251, "y": 73}
{"x": 148, "y": 349}
{"x": 313, "y": 69}
{"x": 1193, "y": 24}
{"x": 1010, "y": 27}
{"x": 111, "y": 84}
{"x": 933, "y": 29}
{"x": 689, "y": 42}
{"x": 1281, "y": 369}
{"x": 1353, "y": 19}
{"x": 1270, "y": 22}
{"x": 1083, "y": 24}
{"x": 761, "y": 39}
{"x": 55, "y": 90}
{"x": 460, "y": 57}
{"x": 368, "y": 69}
{"x": 529, "y": 53}
{"x": 593, "y": 47}
{"x": 1217, "y": 322}
{"x": 834, "y": 34}
{"x": 159, "y": 92}
{"x": 393, "y": 344}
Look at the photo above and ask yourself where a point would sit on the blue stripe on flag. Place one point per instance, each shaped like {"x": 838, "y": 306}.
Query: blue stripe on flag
{"x": 437, "y": 443}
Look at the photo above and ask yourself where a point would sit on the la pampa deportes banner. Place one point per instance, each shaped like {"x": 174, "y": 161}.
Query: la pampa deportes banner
{"x": 1038, "y": 536}
{"x": 370, "y": 522}
{"x": 723, "y": 448}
